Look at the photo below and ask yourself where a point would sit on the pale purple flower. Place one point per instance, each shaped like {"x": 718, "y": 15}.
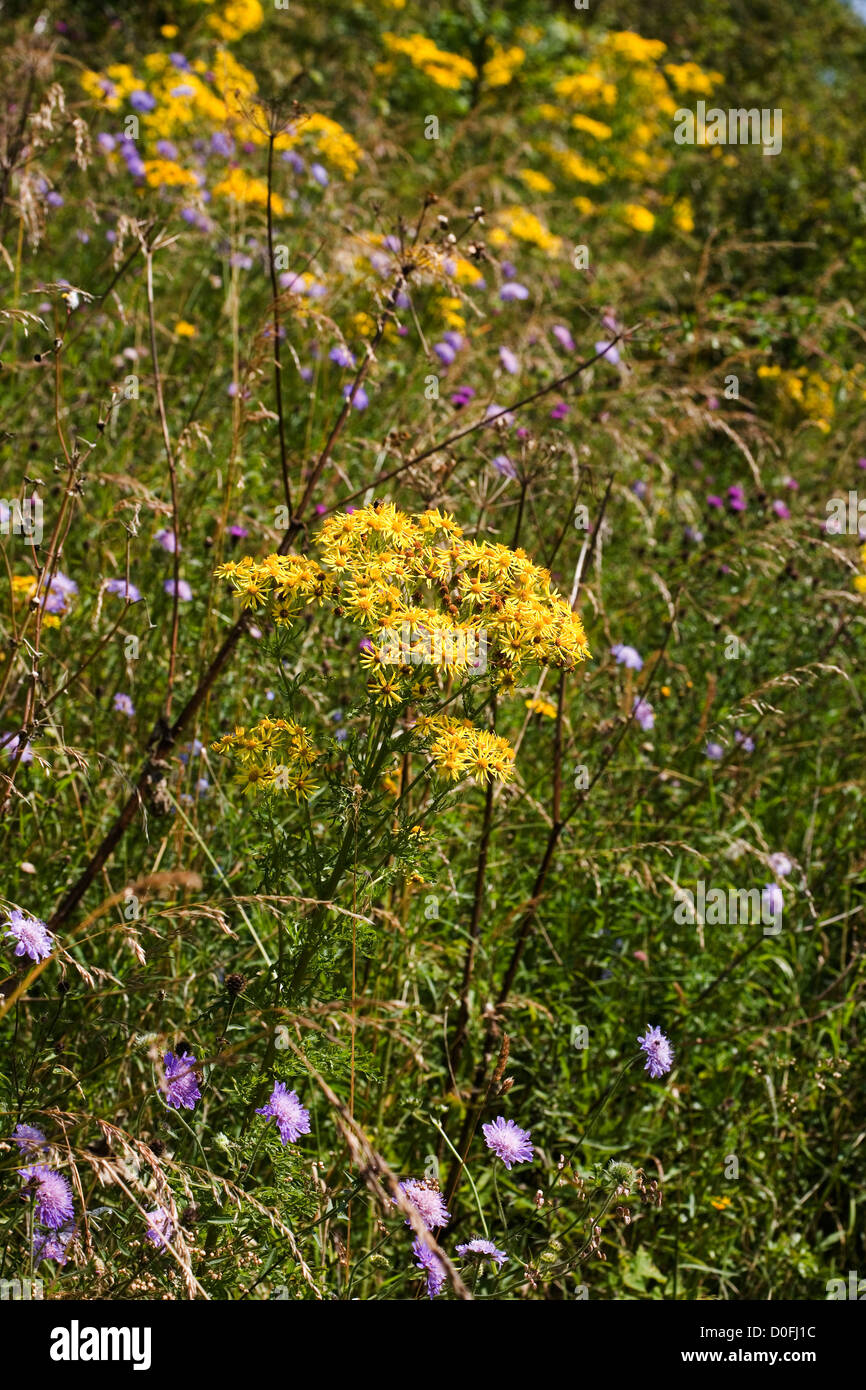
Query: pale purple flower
{"x": 445, "y": 352}
{"x": 10, "y": 743}
{"x": 184, "y": 592}
{"x": 746, "y": 743}
{"x": 609, "y": 352}
{"x": 509, "y": 360}
{"x": 513, "y": 290}
{"x": 105, "y": 142}
{"x": 644, "y": 714}
{"x": 167, "y": 539}
{"x": 33, "y": 937}
{"x": 161, "y": 1229}
{"x": 29, "y": 1139}
{"x": 320, "y": 174}
{"x": 781, "y": 865}
{"x": 432, "y": 1266}
{"x": 480, "y": 1248}
{"x": 715, "y": 752}
{"x": 502, "y": 463}
{"x": 124, "y": 589}
{"x": 53, "y": 1195}
{"x": 181, "y": 1082}
{"x": 291, "y": 1117}
{"x": 563, "y": 337}
{"x": 659, "y": 1054}
{"x": 360, "y": 400}
{"x": 627, "y": 656}
{"x": 123, "y": 704}
{"x": 341, "y": 355}
{"x": 427, "y": 1201}
{"x": 508, "y": 1141}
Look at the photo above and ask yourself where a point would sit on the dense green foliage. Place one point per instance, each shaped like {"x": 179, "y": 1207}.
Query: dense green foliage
{"x": 415, "y": 954}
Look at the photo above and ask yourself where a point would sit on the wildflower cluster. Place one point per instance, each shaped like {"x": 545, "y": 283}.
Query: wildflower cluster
{"x": 275, "y": 755}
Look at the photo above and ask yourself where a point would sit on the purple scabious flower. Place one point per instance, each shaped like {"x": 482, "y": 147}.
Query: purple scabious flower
{"x": 445, "y": 352}
{"x": 659, "y": 1053}
{"x": 167, "y": 539}
{"x": 432, "y": 1267}
{"x": 509, "y": 360}
{"x": 10, "y": 742}
{"x": 427, "y": 1201}
{"x": 52, "y": 1245}
{"x": 781, "y": 865}
{"x": 181, "y": 1082}
{"x": 644, "y": 714}
{"x": 33, "y": 937}
{"x": 291, "y": 1117}
{"x": 342, "y": 356}
{"x": 715, "y": 752}
{"x": 513, "y": 290}
{"x": 161, "y": 1228}
{"x": 502, "y": 463}
{"x": 627, "y": 657}
{"x": 609, "y": 352}
{"x": 142, "y": 101}
{"x": 508, "y": 1141}
{"x": 563, "y": 337}
{"x": 745, "y": 742}
{"x": 462, "y": 396}
{"x": 320, "y": 174}
{"x": 123, "y": 704}
{"x": 184, "y": 592}
{"x": 124, "y": 589}
{"x": 480, "y": 1248}
{"x": 52, "y": 1193}
{"x": 360, "y": 400}
{"x": 29, "y": 1139}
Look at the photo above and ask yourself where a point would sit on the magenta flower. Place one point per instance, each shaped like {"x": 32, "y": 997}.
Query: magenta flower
{"x": 781, "y": 510}
{"x": 181, "y": 1083}
{"x": 52, "y": 1194}
{"x": 659, "y": 1053}
{"x": 432, "y": 1267}
{"x": 291, "y": 1117}
{"x": 508, "y": 1141}
{"x": 33, "y": 937}
{"x": 427, "y": 1201}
